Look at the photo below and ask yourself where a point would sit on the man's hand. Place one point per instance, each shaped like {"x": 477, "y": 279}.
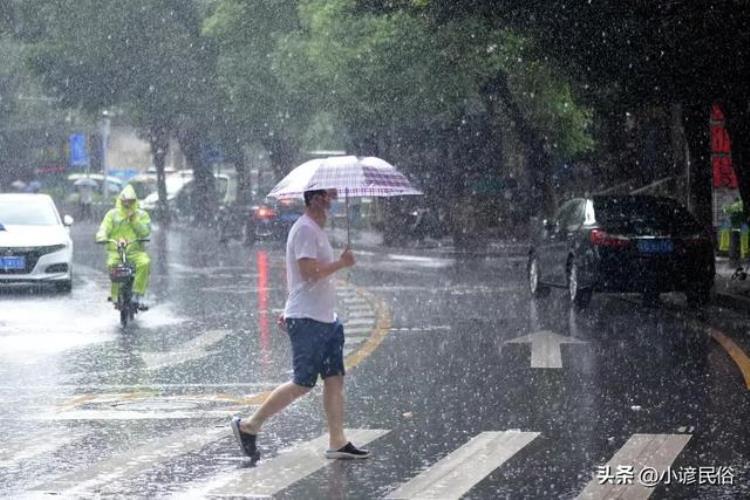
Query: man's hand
{"x": 281, "y": 323}
{"x": 347, "y": 258}
{"x": 312, "y": 270}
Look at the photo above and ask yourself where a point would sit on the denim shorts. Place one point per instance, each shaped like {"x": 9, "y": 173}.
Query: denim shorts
{"x": 317, "y": 349}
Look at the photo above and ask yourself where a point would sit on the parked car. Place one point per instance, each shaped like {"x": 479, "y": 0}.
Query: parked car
{"x": 272, "y": 219}
{"x": 144, "y": 185}
{"x": 175, "y": 184}
{"x": 180, "y": 193}
{"x": 409, "y": 219}
{"x": 35, "y": 244}
{"x": 625, "y": 244}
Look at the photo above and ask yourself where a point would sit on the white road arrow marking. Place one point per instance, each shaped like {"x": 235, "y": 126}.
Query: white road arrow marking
{"x": 545, "y": 347}
{"x": 193, "y": 349}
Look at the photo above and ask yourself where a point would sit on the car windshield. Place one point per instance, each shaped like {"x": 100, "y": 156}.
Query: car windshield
{"x": 27, "y": 214}
{"x": 644, "y": 215}
{"x": 174, "y": 184}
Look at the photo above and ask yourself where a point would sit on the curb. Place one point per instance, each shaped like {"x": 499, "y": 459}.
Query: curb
{"x": 732, "y": 301}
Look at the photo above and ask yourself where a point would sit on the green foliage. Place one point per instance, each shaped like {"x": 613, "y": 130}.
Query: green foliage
{"x": 388, "y": 70}
{"x": 376, "y": 71}
{"x": 259, "y": 103}
{"x": 145, "y": 55}
{"x": 6, "y": 16}
{"x": 22, "y": 100}
{"x": 324, "y": 133}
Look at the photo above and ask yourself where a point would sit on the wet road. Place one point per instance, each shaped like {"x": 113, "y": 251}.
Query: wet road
{"x": 461, "y": 385}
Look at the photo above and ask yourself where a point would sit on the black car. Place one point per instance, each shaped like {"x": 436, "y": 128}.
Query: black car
{"x": 272, "y": 219}
{"x": 624, "y": 244}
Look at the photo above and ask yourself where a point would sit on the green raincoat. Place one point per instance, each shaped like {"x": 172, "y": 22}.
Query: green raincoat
{"x": 130, "y": 225}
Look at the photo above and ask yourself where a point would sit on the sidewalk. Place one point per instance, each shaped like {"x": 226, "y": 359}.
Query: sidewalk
{"x": 730, "y": 292}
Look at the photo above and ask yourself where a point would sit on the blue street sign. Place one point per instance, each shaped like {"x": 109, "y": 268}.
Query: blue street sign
{"x": 212, "y": 154}
{"x": 79, "y": 155}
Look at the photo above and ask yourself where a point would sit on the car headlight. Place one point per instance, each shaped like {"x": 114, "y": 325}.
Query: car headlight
{"x": 51, "y": 249}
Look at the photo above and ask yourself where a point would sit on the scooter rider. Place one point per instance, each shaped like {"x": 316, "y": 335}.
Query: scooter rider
{"x": 127, "y": 222}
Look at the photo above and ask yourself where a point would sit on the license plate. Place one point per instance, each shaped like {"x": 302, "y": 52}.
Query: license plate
{"x": 655, "y": 246}
{"x": 13, "y": 262}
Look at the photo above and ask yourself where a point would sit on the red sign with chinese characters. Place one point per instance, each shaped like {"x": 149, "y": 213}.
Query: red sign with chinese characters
{"x": 721, "y": 151}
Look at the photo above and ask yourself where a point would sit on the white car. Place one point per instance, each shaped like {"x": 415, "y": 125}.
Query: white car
{"x": 175, "y": 183}
{"x": 35, "y": 244}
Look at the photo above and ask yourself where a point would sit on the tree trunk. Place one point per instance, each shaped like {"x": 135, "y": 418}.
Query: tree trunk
{"x": 282, "y": 154}
{"x": 697, "y": 130}
{"x": 738, "y": 126}
{"x": 159, "y": 140}
{"x": 203, "y": 202}
{"x": 542, "y": 195}
{"x": 236, "y": 156}
{"x": 679, "y": 156}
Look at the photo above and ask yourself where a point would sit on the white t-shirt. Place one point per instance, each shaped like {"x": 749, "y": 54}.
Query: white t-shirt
{"x": 307, "y": 299}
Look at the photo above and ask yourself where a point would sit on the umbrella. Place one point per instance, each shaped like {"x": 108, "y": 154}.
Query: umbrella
{"x": 86, "y": 182}
{"x": 352, "y": 175}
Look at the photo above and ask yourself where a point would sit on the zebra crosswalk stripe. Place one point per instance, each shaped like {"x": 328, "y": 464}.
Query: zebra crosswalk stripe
{"x": 360, "y": 321}
{"x": 290, "y": 465}
{"x": 656, "y": 451}
{"x": 458, "y": 472}
{"x": 132, "y": 462}
{"x": 44, "y": 444}
{"x": 451, "y": 477}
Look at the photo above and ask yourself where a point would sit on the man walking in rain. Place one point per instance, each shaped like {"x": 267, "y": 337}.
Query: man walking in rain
{"x": 316, "y": 335}
{"x": 129, "y": 223}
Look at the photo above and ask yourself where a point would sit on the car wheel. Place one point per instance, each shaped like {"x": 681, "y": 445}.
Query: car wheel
{"x": 579, "y": 297}
{"x": 64, "y": 286}
{"x": 698, "y": 295}
{"x": 535, "y": 287}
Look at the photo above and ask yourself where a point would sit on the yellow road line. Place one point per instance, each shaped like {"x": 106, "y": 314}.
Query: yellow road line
{"x": 77, "y": 401}
{"x": 100, "y": 397}
{"x": 382, "y": 328}
{"x": 255, "y": 399}
{"x": 735, "y": 352}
